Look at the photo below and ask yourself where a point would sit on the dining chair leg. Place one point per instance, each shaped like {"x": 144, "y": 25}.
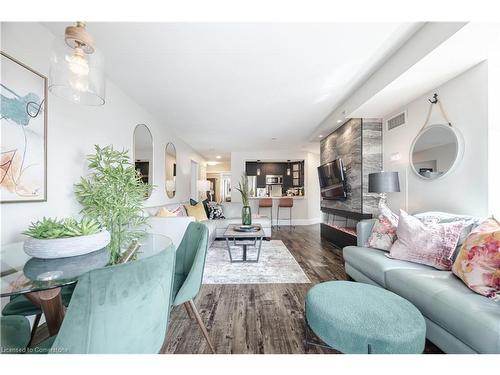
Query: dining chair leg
{"x": 35, "y": 326}
{"x": 201, "y": 324}
{"x": 188, "y": 310}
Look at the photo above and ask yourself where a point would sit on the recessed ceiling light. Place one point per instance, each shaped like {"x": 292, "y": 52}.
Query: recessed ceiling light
{"x": 212, "y": 163}
{"x": 339, "y": 121}
{"x": 218, "y": 157}
{"x": 321, "y": 135}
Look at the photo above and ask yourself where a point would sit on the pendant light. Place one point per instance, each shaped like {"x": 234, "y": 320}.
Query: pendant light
{"x": 258, "y": 168}
{"x": 76, "y": 68}
{"x": 288, "y": 168}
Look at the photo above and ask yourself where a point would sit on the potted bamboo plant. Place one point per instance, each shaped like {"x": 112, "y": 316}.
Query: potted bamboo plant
{"x": 246, "y": 212}
{"x": 113, "y": 194}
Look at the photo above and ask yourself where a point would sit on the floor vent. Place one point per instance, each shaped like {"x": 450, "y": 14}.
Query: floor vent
{"x": 395, "y": 121}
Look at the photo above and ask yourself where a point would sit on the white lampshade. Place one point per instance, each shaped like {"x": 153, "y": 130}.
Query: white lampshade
{"x": 204, "y": 185}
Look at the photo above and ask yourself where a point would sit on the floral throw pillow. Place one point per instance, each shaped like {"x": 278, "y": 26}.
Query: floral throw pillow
{"x": 432, "y": 245}
{"x": 478, "y": 263}
{"x": 384, "y": 230}
{"x": 215, "y": 211}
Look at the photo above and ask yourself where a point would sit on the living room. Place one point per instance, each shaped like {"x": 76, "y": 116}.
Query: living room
{"x": 212, "y": 187}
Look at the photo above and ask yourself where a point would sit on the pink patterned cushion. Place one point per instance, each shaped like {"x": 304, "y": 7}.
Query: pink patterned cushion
{"x": 177, "y": 209}
{"x": 432, "y": 245}
{"x": 478, "y": 263}
{"x": 384, "y": 230}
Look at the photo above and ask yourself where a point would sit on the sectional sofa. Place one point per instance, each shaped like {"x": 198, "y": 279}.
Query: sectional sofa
{"x": 458, "y": 320}
{"x": 174, "y": 227}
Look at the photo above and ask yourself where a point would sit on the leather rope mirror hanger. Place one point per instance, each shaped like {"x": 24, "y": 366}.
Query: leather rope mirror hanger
{"x": 433, "y": 101}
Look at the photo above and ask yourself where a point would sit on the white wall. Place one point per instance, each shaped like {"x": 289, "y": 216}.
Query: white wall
{"x": 465, "y": 189}
{"x": 74, "y": 129}
{"x": 305, "y": 211}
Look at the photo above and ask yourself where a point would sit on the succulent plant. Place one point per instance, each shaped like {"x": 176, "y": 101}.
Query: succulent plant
{"x": 50, "y": 228}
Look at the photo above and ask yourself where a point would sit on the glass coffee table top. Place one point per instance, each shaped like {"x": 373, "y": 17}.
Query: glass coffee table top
{"x": 21, "y": 273}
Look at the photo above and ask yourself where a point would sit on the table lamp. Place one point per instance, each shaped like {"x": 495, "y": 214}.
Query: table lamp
{"x": 383, "y": 183}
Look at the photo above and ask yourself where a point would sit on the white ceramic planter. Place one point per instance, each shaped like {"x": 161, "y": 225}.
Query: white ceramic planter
{"x": 66, "y": 247}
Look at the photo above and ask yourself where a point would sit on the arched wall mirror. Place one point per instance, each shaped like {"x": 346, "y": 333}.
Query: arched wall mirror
{"x": 436, "y": 150}
{"x": 170, "y": 169}
{"x": 143, "y": 152}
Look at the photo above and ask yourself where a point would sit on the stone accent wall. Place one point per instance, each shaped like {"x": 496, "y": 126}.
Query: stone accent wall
{"x": 359, "y": 144}
{"x": 372, "y": 161}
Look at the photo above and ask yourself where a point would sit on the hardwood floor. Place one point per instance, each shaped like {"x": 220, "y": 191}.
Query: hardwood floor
{"x": 258, "y": 318}
{"x": 261, "y": 318}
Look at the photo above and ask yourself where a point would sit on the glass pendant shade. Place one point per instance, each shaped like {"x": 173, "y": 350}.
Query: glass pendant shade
{"x": 76, "y": 75}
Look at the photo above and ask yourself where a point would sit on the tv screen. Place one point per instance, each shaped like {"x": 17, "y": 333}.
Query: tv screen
{"x": 332, "y": 180}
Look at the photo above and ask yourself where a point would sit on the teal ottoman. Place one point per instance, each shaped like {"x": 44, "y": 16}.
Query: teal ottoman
{"x": 361, "y": 318}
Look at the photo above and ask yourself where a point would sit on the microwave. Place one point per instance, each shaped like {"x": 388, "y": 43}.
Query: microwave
{"x": 274, "y": 180}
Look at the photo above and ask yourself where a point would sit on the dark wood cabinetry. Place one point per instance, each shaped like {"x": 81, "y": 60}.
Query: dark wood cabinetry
{"x": 293, "y": 180}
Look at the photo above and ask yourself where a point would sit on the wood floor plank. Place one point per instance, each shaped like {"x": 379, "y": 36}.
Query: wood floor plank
{"x": 262, "y": 318}
{"x": 258, "y": 318}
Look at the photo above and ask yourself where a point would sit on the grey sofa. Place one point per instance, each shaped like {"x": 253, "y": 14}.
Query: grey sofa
{"x": 232, "y": 214}
{"x": 174, "y": 227}
{"x": 458, "y": 320}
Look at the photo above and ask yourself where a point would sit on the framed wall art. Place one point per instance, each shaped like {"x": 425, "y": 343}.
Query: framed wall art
{"x": 23, "y": 144}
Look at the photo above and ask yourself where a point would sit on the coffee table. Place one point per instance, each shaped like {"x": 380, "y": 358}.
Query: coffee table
{"x": 243, "y": 239}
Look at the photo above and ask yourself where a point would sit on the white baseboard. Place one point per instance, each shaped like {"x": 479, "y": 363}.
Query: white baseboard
{"x": 286, "y": 222}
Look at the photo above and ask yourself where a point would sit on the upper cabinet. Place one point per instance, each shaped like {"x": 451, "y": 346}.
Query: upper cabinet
{"x": 290, "y": 180}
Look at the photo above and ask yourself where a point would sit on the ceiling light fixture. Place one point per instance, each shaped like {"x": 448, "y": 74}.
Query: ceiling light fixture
{"x": 76, "y": 69}
{"x": 288, "y": 168}
{"x": 258, "y": 168}
{"x": 218, "y": 157}
{"x": 339, "y": 121}
{"x": 321, "y": 135}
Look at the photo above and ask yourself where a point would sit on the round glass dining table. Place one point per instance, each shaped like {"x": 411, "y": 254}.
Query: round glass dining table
{"x": 41, "y": 280}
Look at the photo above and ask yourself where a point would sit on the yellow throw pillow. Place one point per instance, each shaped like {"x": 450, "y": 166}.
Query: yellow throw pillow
{"x": 197, "y": 211}
{"x": 163, "y": 212}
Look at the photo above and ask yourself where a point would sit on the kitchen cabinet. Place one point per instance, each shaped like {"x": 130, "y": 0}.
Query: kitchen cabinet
{"x": 295, "y": 179}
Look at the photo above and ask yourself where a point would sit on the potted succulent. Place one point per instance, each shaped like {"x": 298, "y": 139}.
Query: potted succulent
{"x": 246, "y": 212}
{"x": 52, "y": 238}
{"x": 113, "y": 194}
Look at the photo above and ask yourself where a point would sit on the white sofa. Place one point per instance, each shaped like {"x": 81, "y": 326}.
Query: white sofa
{"x": 174, "y": 227}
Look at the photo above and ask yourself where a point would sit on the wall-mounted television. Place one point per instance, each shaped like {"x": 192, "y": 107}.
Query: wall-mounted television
{"x": 332, "y": 180}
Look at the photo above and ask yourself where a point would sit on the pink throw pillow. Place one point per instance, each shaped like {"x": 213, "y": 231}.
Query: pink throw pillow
{"x": 478, "y": 263}
{"x": 432, "y": 245}
{"x": 384, "y": 230}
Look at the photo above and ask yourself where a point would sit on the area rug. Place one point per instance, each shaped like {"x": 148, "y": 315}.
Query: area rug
{"x": 276, "y": 265}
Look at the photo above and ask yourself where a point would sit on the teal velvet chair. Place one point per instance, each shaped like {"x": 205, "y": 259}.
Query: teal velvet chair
{"x": 20, "y": 305}
{"x": 15, "y": 334}
{"x": 119, "y": 309}
{"x": 189, "y": 265}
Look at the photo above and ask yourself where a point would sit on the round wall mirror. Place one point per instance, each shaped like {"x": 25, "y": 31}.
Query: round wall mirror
{"x": 170, "y": 169}
{"x": 436, "y": 151}
{"x": 143, "y": 152}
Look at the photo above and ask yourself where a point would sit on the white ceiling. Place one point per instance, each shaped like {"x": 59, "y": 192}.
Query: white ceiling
{"x": 234, "y": 87}
{"x": 466, "y": 48}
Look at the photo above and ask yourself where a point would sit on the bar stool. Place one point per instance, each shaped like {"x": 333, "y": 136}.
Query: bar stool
{"x": 285, "y": 203}
{"x": 266, "y": 203}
